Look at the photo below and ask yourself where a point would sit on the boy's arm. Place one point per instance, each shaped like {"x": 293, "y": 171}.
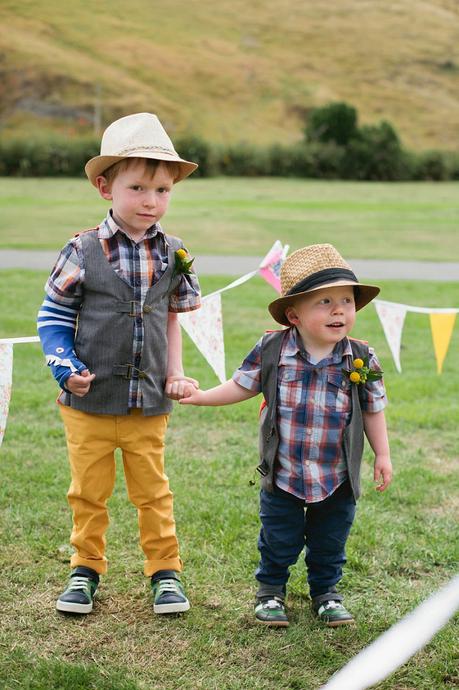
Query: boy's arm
{"x": 57, "y": 320}
{"x": 177, "y": 384}
{"x": 56, "y": 330}
{"x": 226, "y": 394}
{"x": 376, "y": 432}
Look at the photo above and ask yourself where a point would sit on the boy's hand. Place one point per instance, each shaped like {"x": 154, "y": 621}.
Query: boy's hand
{"x": 178, "y": 387}
{"x": 79, "y": 384}
{"x": 382, "y": 472}
{"x": 195, "y": 397}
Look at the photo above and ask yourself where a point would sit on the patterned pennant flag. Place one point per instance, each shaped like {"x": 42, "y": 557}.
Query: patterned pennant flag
{"x": 441, "y": 326}
{"x": 392, "y": 317}
{"x": 6, "y": 377}
{"x": 205, "y": 328}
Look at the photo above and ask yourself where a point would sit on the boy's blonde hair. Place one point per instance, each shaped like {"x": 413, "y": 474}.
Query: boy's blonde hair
{"x": 151, "y": 165}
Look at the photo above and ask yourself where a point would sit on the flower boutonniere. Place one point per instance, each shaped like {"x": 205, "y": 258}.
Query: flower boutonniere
{"x": 182, "y": 262}
{"x": 362, "y": 372}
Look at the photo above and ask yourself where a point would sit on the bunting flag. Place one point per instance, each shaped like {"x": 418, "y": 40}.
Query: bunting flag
{"x": 392, "y": 317}
{"x": 271, "y": 265}
{"x": 6, "y": 377}
{"x": 441, "y": 325}
{"x": 205, "y": 328}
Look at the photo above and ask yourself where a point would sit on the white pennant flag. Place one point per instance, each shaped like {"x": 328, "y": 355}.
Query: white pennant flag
{"x": 392, "y": 317}
{"x": 205, "y": 328}
{"x": 6, "y": 376}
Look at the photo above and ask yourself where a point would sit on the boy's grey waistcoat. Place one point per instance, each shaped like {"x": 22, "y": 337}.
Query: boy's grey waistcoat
{"x": 104, "y": 337}
{"x": 353, "y": 437}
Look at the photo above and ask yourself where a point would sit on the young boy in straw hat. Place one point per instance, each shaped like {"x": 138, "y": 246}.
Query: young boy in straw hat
{"x": 110, "y": 332}
{"x": 322, "y": 392}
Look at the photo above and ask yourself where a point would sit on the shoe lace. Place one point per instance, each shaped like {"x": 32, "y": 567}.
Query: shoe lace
{"x": 333, "y": 605}
{"x": 273, "y": 604}
{"x": 78, "y": 584}
{"x": 169, "y": 585}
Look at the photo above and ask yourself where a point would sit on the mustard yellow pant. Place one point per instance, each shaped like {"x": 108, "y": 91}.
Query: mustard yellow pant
{"x": 91, "y": 441}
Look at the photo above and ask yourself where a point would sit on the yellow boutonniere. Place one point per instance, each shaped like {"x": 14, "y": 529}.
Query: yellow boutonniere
{"x": 361, "y": 372}
{"x": 182, "y": 263}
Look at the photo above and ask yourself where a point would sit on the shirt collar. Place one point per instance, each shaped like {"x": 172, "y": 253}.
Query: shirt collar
{"x": 109, "y": 227}
{"x": 294, "y": 346}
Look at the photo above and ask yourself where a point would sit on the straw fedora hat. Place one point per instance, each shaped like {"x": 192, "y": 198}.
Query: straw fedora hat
{"x": 136, "y": 136}
{"x": 313, "y": 268}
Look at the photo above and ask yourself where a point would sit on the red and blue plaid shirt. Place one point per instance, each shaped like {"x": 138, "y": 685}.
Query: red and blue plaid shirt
{"x": 313, "y": 408}
{"x": 140, "y": 264}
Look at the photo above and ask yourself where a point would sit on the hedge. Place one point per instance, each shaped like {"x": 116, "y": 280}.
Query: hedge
{"x": 375, "y": 154}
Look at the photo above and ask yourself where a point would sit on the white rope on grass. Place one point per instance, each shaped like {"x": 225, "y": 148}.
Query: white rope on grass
{"x": 394, "y": 647}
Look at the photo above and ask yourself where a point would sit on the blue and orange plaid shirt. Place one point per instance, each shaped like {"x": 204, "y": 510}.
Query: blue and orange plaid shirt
{"x": 313, "y": 408}
{"x": 140, "y": 264}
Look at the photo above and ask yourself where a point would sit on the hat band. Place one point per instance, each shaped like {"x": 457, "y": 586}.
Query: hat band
{"x": 326, "y": 276}
{"x": 132, "y": 149}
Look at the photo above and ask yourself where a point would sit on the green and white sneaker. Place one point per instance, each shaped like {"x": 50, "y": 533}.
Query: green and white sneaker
{"x": 79, "y": 594}
{"x": 169, "y": 596}
{"x": 271, "y": 611}
{"x": 333, "y": 613}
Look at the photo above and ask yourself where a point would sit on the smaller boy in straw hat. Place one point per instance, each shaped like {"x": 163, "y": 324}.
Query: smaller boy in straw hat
{"x": 322, "y": 392}
{"x": 110, "y": 332}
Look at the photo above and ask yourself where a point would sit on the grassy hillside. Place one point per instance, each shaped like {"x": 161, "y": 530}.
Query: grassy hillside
{"x": 231, "y": 70}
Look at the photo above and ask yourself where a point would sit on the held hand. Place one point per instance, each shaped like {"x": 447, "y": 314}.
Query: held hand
{"x": 178, "y": 387}
{"x": 382, "y": 472}
{"x": 79, "y": 384}
{"x": 195, "y": 397}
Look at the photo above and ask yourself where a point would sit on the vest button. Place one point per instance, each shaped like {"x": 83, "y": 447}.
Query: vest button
{"x": 147, "y": 309}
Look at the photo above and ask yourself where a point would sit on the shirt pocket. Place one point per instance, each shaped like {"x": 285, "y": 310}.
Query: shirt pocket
{"x": 291, "y": 391}
{"x": 338, "y": 393}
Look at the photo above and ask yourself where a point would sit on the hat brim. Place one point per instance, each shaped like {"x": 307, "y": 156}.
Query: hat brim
{"x": 365, "y": 294}
{"x": 96, "y": 166}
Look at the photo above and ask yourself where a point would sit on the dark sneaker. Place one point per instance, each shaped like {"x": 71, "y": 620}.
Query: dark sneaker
{"x": 271, "y": 611}
{"x": 79, "y": 594}
{"x": 333, "y": 613}
{"x": 169, "y": 596}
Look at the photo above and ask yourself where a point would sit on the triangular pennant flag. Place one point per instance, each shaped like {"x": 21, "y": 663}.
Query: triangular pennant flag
{"x": 6, "y": 376}
{"x": 392, "y": 317}
{"x": 442, "y": 329}
{"x": 271, "y": 265}
{"x": 205, "y": 328}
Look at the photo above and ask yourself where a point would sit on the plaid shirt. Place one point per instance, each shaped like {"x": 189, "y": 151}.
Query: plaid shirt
{"x": 139, "y": 264}
{"x": 313, "y": 408}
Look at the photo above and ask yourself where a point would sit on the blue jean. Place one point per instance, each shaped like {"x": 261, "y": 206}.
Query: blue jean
{"x": 288, "y": 524}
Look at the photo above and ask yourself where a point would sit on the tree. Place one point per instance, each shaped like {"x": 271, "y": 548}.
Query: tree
{"x": 335, "y": 122}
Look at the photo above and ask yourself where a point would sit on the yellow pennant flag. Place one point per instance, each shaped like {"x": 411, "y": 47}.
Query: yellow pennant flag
{"x": 442, "y": 325}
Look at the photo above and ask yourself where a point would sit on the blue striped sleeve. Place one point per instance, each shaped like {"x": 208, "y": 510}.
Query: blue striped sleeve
{"x": 56, "y": 329}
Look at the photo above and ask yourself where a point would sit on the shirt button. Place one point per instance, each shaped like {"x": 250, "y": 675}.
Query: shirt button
{"x": 309, "y": 432}
{"x": 307, "y": 463}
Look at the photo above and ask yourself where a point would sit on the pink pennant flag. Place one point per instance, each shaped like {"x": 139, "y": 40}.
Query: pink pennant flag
{"x": 270, "y": 267}
{"x": 205, "y": 328}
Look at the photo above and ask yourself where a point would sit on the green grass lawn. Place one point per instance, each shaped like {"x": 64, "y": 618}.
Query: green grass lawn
{"x": 244, "y": 216}
{"x": 402, "y": 548}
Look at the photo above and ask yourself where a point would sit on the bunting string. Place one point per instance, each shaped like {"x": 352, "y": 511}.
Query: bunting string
{"x": 205, "y": 327}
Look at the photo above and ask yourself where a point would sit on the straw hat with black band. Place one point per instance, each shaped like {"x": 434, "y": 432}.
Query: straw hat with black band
{"x": 140, "y": 135}
{"x": 313, "y": 268}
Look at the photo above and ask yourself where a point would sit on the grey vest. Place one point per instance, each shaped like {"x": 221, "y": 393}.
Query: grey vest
{"x": 353, "y": 437}
{"x": 104, "y": 337}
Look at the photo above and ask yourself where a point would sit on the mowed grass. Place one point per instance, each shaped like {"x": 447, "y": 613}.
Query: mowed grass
{"x": 414, "y": 221}
{"x": 402, "y": 548}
